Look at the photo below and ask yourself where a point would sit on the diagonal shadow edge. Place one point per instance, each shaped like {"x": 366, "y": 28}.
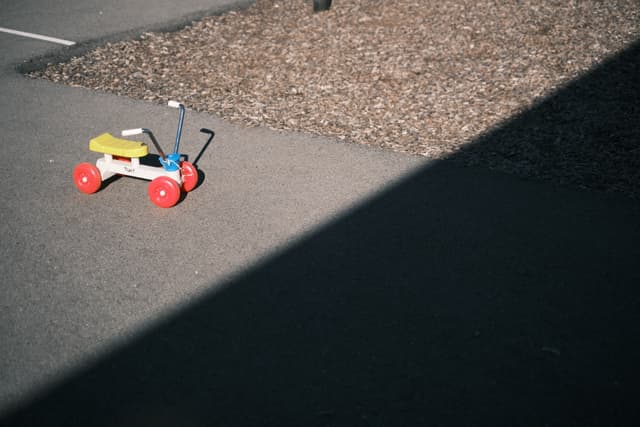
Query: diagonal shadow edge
{"x": 583, "y": 135}
{"x": 457, "y": 296}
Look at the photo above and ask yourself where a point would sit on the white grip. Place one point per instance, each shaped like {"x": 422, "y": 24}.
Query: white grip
{"x": 129, "y": 132}
{"x": 174, "y": 104}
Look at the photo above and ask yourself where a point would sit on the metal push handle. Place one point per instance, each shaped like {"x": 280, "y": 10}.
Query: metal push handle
{"x": 138, "y": 131}
{"x": 176, "y": 104}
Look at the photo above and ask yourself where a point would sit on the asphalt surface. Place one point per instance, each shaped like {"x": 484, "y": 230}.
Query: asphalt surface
{"x": 304, "y": 282}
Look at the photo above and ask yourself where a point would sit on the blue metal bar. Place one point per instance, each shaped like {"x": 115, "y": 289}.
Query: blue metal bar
{"x": 179, "y": 133}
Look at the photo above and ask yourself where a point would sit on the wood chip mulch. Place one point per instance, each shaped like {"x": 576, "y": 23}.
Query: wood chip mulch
{"x": 540, "y": 88}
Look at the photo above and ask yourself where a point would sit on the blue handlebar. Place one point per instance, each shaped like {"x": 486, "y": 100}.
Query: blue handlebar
{"x": 179, "y": 133}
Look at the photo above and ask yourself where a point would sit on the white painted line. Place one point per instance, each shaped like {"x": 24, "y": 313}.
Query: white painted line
{"x": 37, "y": 36}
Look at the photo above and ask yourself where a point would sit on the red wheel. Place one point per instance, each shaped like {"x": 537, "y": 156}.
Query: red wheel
{"x": 164, "y": 192}
{"x": 87, "y": 178}
{"x": 189, "y": 176}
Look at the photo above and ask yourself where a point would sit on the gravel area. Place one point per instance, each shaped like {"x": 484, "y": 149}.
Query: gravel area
{"x": 505, "y": 84}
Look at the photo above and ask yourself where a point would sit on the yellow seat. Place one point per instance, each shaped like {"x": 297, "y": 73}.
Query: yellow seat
{"x": 108, "y": 144}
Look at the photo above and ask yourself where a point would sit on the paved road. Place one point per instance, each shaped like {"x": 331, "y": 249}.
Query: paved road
{"x": 305, "y": 282}
{"x": 82, "y": 272}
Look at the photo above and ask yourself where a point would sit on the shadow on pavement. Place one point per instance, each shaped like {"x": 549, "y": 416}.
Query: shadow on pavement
{"x": 586, "y": 135}
{"x": 457, "y": 297}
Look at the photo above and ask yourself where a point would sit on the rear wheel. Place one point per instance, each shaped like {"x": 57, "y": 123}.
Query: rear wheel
{"x": 87, "y": 178}
{"x": 164, "y": 192}
{"x": 189, "y": 176}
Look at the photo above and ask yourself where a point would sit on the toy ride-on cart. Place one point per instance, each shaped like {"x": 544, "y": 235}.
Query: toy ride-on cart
{"x": 169, "y": 179}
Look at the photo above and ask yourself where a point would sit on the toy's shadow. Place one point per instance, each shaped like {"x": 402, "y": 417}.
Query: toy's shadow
{"x": 201, "y": 178}
{"x": 151, "y": 160}
{"x": 107, "y": 182}
{"x": 201, "y": 174}
{"x": 205, "y": 146}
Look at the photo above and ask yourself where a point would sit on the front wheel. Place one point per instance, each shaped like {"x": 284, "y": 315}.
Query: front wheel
{"x": 164, "y": 192}
{"x": 87, "y": 178}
